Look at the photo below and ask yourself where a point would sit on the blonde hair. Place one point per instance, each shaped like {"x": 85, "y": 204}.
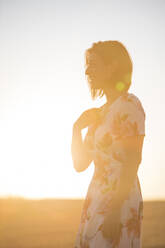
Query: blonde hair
{"x": 110, "y": 51}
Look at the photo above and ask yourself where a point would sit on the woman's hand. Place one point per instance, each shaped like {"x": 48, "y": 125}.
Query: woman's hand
{"x": 112, "y": 226}
{"x": 87, "y": 118}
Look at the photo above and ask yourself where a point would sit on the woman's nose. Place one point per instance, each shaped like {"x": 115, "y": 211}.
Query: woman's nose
{"x": 87, "y": 71}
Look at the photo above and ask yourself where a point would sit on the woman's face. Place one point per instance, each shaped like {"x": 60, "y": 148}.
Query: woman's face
{"x": 96, "y": 70}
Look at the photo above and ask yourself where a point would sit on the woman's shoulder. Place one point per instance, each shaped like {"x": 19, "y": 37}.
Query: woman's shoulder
{"x": 130, "y": 97}
{"x": 131, "y": 100}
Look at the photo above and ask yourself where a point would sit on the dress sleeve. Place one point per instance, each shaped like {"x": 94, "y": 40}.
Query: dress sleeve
{"x": 128, "y": 120}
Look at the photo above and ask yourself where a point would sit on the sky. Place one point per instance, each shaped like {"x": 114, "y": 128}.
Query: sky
{"x": 43, "y": 89}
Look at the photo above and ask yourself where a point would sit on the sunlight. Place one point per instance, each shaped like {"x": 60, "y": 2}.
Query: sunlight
{"x": 36, "y": 158}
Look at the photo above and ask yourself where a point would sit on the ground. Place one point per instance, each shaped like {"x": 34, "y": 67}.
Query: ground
{"x": 53, "y": 223}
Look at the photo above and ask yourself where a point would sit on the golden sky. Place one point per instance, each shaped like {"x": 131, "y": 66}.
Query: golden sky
{"x": 43, "y": 89}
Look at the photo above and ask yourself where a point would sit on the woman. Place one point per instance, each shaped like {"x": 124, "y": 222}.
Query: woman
{"x": 113, "y": 209}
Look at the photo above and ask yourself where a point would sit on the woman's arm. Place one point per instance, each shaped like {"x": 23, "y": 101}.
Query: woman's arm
{"x": 132, "y": 148}
{"x": 82, "y": 151}
{"x": 81, "y": 154}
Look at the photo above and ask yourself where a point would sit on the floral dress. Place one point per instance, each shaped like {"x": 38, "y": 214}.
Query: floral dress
{"x": 125, "y": 117}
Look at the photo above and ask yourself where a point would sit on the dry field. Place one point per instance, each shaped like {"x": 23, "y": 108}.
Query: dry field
{"x": 53, "y": 223}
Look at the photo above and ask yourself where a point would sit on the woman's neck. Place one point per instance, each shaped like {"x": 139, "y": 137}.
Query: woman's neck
{"x": 112, "y": 95}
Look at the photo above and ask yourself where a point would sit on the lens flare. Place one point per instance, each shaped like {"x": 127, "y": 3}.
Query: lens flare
{"x": 120, "y": 86}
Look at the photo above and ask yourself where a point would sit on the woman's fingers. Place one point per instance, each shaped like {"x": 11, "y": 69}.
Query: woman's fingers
{"x": 88, "y": 117}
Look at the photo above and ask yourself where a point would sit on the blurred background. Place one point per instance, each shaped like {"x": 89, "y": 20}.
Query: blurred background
{"x": 43, "y": 90}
